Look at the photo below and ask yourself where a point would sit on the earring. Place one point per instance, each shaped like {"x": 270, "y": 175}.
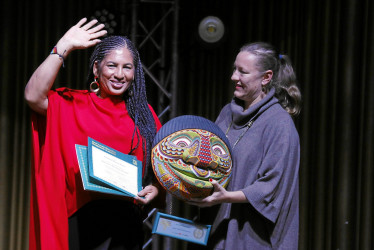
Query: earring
{"x": 263, "y": 88}
{"x": 129, "y": 90}
{"x": 94, "y": 86}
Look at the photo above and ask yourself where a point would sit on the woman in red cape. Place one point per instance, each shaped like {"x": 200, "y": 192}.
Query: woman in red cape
{"x": 114, "y": 112}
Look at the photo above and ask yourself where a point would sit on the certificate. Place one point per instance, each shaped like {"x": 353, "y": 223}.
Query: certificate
{"x": 180, "y": 228}
{"x": 107, "y": 170}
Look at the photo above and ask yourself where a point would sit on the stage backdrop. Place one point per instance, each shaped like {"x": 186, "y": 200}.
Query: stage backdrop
{"x": 330, "y": 43}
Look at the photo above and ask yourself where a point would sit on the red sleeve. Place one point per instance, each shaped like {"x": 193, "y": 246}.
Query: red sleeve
{"x": 48, "y": 217}
{"x": 38, "y": 143}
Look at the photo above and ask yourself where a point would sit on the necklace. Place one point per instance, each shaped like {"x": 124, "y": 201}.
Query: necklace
{"x": 249, "y": 124}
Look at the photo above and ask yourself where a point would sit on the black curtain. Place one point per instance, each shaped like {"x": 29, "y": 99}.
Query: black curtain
{"x": 330, "y": 43}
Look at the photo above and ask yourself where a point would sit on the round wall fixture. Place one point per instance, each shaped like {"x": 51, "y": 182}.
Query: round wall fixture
{"x": 211, "y": 29}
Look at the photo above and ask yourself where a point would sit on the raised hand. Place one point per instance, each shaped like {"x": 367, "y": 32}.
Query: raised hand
{"x": 82, "y": 35}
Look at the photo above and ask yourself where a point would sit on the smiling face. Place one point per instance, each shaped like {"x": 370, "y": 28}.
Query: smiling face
{"x": 248, "y": 79}
{"x": 115, "y": 72}
{"x": 184, "y": 162}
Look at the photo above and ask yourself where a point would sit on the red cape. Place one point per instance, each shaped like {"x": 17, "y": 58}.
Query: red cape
{"x": 56, "y": 186}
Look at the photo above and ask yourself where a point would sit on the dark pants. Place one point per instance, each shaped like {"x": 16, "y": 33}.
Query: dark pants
{"x": 106, "y": 224}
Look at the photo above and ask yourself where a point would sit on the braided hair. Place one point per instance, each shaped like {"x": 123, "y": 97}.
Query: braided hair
{"x": 136, "y": 102}
{"x": 284, "y": 77}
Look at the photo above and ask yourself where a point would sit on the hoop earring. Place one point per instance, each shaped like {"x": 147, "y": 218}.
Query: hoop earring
{"x": 94, "y": 85}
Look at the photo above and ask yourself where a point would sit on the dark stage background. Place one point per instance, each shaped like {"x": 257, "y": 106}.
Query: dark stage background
{"x": 330, "y": 43}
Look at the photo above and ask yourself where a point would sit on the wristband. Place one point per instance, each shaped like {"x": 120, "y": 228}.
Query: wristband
{"x": 54, "y": 52}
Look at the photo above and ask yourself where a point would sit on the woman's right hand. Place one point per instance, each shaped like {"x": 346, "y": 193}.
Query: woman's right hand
{"x": 82, "y": 35}
{"x": 219, "y": 195}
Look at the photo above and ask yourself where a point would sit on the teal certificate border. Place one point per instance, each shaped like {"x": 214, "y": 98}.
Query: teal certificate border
{"x": 180, "y": 228}
{"x": 128, "y": 158}
{"x": 88, "y": 182}
{"x": 93, "y": 183}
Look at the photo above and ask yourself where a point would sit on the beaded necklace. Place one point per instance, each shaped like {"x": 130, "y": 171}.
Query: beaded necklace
{"x": 249, "y": 124}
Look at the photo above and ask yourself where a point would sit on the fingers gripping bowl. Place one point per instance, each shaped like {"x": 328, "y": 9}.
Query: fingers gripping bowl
{"x": 188, "y": 151}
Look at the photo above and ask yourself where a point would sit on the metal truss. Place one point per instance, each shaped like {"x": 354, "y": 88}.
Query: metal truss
{"x": 160, "y": 41}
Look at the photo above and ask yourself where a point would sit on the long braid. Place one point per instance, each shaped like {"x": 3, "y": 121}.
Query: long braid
{"x": 139, "y": 110}
{"x": 136, "y": 102}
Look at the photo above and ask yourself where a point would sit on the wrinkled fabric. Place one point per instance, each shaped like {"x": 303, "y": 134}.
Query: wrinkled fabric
{"x": 265, "y": 168}
{"x": 56, "y": 186}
